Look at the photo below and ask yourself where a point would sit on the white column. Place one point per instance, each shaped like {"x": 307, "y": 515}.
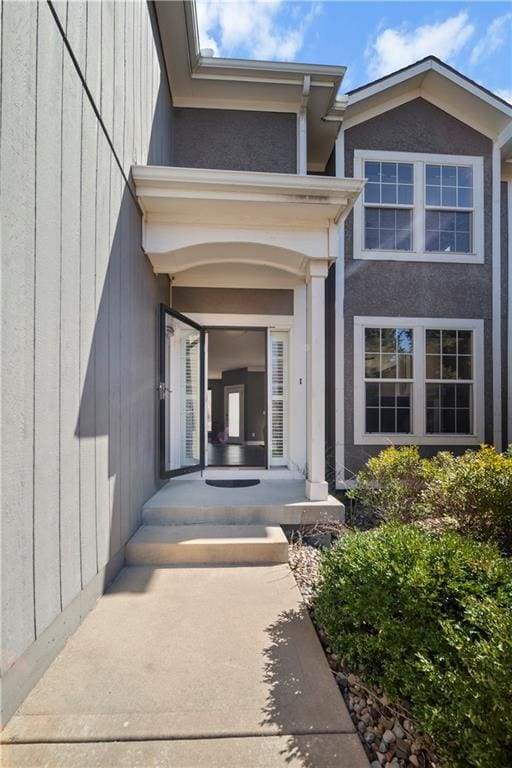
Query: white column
{"x": 316, "y": 485}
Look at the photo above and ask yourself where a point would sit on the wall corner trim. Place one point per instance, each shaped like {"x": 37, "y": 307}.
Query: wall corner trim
{"x": 496, "y": 297}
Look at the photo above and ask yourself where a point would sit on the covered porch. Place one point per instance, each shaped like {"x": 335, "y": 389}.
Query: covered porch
{"x": 237, "y": 245}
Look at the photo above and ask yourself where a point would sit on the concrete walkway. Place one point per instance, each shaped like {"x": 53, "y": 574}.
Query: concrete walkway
{"x": 189, "y": 667}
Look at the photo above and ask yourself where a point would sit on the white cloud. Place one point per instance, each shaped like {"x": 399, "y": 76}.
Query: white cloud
{"x": 253, "y": 29}
{"x": 504, "y": 93}
{"x": 493, "y": 39}
{"x": 396, "y": 48}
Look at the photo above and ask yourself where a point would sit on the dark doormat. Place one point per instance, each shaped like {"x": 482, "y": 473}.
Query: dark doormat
{"x": 232, "y": 483}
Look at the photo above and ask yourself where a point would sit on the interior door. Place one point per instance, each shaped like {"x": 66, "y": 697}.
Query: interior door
{"x": 234, "y": 413}
{"x": 181, "y": 393}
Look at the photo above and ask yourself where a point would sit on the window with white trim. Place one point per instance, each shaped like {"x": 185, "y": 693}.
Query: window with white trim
{"x": 419, "y": 207}
{"x": 418, "y": 380}
{"x": 388, "y": 376}
{"x": 449, "y": 381}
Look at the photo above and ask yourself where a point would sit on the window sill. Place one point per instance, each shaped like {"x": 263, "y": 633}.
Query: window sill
{"x": 395, "y": 439}
{"x": 439, "y": 258}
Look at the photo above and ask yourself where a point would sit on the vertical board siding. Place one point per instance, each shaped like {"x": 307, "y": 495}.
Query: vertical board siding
{"x": 85, "y": 428}
{"x": 79, "y": 301}
{"x": 47, "y": 561}
{"x": 17, "y": 196}
{"x": 70, "y": 333}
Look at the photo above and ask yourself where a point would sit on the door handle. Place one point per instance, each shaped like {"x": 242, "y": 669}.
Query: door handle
{"x": 163, "y": 389}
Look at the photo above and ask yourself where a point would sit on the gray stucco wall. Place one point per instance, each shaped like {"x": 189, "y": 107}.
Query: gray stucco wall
{"x": 79, "y": 313}
{"x": 236, "y": 140}
{"x": 414, "y": 289}
{"x": 233, "y": 301}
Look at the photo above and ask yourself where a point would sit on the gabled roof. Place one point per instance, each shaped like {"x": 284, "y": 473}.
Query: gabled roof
{"x": 441, "y": 64}
{"x": 437, "y": 82}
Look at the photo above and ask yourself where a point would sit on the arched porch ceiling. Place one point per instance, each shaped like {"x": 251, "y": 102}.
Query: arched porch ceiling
{"x": 226, "y": 253}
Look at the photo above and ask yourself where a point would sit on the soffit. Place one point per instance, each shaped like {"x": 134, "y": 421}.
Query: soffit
{"x": 440, "y": 85}
{"x": 214, "y": 83}
{"x": 240, "y": 198}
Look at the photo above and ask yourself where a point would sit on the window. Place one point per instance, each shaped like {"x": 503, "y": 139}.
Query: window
{"x": 418, "y": 381}
{"x": 449, "y": 381}
{"x": 387, "y": 226}
{"x": 448, "y": 189}
{"x": 419, "y": 207}
{"x": 388, "y": 370}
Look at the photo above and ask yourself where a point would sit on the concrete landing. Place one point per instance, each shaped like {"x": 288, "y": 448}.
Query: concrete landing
{"x": 189, "y": 667}
{"x": 206, "y": 544}
{"x": 185, "y": 501}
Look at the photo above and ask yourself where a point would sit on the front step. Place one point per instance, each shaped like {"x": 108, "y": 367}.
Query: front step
{"x": 206, "y": 545}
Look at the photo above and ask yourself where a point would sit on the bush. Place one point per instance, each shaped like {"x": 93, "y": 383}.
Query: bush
{"x": 429, "y": 619}
{"x": 392, "y": 483}
{"x": 475, "y": 489}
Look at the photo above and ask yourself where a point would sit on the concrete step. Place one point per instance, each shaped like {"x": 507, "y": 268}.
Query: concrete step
{"x": 277, "y": 502}
{"x": 206, "y": 544}
{"x": 299, "y": 514}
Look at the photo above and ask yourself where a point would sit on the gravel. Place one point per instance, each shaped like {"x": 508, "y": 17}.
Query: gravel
{"x": 387, "y": 729}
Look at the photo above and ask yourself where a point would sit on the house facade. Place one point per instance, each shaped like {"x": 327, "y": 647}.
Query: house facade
{"x": 223, "y": 268}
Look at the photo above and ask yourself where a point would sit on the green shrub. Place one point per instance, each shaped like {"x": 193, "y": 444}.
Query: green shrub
{"x": 475, "y": 489}
{"x": 391, "y": 484}
{"x": 428, "y": 618}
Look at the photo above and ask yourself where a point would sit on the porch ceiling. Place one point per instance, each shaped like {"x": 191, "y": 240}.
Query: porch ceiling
{"x": 289, "y": 219}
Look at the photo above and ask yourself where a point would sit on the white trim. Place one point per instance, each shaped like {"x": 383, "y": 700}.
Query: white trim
{"x": 419, "y": 436}
{"x": 351, "y": 121}
{"x": 339, "y": 331}
{"x": 496, "y": 296}
{"x": 210, "y": 319}
{"x": 283, "y": 461}
{"x": 302, "y": 159}
{"x": 419, "y": 160}
{"x": 509, "y": 330}
{"x": 422, "y": 68}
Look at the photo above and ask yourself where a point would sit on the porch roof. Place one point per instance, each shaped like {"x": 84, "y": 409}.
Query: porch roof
{"x": 290, "y": 218}
{"x": 188, "y": 195}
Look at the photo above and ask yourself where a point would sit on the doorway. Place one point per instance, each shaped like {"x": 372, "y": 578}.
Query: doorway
{"x": 237, "y": 397}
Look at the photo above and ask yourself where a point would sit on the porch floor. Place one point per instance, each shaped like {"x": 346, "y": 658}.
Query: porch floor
{"x": 189, "y": 667}
{"x": 189, "y": 500}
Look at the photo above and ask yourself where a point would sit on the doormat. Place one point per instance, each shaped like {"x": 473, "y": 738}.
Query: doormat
{"x": 232, "y": 483}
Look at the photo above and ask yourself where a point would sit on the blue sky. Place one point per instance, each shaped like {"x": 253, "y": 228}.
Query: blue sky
{"x": 369, "y": 38}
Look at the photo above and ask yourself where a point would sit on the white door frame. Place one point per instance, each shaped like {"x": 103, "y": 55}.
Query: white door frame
{"x": 268, "y": 323}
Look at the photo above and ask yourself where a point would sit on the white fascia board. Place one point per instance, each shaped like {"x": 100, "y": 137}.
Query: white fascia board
{"x": 388, "y": 82}
{"x": 486, "y": 115}
{"x": 423, "y": 68}
{"x": 493, "y": 101}
{"x": 166, "y": 178}
{"x": 247, "y": 70}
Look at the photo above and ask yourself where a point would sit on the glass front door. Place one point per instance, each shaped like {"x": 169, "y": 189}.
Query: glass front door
{"x": 181, "y": 392}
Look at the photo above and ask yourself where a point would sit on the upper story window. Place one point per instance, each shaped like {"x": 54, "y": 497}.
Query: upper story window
{"x": 448, "y": 208}
{"x": 419, "y": 207}
{"x": 418, "y": 381}
{"x": 388, "y": 206}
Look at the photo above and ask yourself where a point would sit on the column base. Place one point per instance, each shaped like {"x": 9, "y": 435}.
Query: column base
{"x": 317, "y": 491}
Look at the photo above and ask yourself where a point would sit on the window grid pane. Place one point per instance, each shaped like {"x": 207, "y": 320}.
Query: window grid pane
{"x": 448, "y": 187}
{"x": 389, "y": 183}
{"x": 388, "y": 229}
{"x": 388, "y": 373}
{"x": 449, "y": 381}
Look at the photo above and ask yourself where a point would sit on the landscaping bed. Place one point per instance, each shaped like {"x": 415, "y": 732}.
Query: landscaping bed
{"x": 413, "y": 605}
{"x": 388, "y": 732}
